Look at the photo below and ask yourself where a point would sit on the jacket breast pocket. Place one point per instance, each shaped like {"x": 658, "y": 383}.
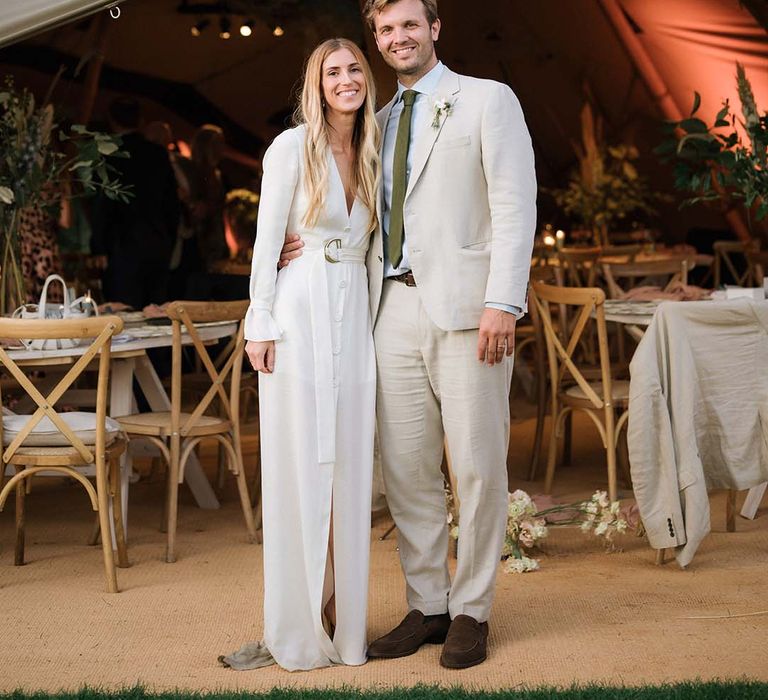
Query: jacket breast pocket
{"x": 458, "y": 142}
{"x": 479, "y": 245}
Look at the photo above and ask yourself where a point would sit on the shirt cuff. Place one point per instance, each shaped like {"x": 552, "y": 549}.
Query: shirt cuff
{"x": 509, "y": 308}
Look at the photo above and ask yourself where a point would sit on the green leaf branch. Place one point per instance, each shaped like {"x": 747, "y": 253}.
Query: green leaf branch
{"x": 710, "y": 164}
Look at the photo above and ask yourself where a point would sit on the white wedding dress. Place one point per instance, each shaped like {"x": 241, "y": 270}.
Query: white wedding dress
{"x": 317, "y": 414}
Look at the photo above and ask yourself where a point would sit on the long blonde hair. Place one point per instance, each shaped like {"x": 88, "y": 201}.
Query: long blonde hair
{"x": 365, "y": 139}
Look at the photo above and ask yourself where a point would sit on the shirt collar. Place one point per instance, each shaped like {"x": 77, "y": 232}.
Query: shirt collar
{"x": 426, "y": 85}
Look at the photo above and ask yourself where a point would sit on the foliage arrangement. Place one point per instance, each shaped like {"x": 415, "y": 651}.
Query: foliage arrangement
{"x": 719, "y": 162}
{"x": 39, "y": 162}
{"x": 606, "y": 188}
{"x": 241, "y": 209}
{"x": 527, "y": 524}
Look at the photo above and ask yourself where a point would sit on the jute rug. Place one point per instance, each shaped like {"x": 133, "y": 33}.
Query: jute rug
{"x": 586, "y": 616}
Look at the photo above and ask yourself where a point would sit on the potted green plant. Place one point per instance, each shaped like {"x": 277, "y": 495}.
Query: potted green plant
{"x": 39, "y": 161}
{"x": 719, "y": 162}
{"x": 241, "y": 210}
{"x": 606, "y": 189}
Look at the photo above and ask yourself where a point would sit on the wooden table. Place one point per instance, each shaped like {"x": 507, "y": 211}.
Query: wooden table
{"x": 231, "y": 267}
{"x": 700, "y": 259}
{"x": 636, "y": 315}
{"x": 129, "y": 360}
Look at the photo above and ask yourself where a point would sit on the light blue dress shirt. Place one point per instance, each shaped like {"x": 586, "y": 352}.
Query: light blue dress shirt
{"x": 420, "y": 122}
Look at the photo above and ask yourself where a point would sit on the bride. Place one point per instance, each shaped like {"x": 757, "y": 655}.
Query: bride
{"x": 309, "y": 335}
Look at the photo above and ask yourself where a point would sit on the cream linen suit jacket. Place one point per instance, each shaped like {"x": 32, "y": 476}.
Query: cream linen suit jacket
{"x": 698, "y": 402}
{"x": 470, "y": 205}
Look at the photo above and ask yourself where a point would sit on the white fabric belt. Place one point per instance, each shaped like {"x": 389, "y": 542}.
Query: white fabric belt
{"x": 330, "y": 252}
{"x": 334, "y": 252}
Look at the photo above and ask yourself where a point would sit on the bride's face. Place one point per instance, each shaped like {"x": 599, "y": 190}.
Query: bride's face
{"x": 343, "y": 82}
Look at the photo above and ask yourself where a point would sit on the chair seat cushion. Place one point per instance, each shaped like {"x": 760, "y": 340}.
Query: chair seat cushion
{"x": 619, "y": 390}
{"x": 158, "y": 424}
{"x": 46, "y": 434}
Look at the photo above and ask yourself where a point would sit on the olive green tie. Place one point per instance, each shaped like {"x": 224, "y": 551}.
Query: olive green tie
{"x": 400, "y": 180}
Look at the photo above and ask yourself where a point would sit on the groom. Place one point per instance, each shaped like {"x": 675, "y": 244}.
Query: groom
{"x": 448, "y": 273}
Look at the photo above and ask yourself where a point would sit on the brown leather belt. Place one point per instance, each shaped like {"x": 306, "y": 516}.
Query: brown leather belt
{"x": 406, "y": 278}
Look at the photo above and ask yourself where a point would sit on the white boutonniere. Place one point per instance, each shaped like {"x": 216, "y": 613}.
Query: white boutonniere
{"x": 441, "y": 108}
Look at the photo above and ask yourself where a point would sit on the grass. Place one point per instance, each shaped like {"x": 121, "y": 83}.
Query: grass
{"x": 726, "y": 690}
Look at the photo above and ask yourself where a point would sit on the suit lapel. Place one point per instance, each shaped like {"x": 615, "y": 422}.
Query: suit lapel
{"x": 382, "y": 117}
{"x": 447, "y": 87}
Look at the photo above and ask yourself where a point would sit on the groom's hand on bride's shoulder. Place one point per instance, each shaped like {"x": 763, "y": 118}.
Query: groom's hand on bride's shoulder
{"x": 291, "y": 249}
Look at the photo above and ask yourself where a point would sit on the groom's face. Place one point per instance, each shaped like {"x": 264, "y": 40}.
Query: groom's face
{"x": 405, "y": 38}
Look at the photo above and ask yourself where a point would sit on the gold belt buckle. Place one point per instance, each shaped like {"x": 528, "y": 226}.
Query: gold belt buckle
{"x": 337, "y": 242}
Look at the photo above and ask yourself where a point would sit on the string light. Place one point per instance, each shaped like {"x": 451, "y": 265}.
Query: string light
{"x": 278, "y": 31}
{"x": 246, "y": 28}
{"x": 224, "y": 27}
{"x": 197, "y": 28}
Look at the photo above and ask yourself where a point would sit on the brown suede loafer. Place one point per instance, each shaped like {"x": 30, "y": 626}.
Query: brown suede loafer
{"x": 466, "y": 643}
{"x": 415, "y": 629}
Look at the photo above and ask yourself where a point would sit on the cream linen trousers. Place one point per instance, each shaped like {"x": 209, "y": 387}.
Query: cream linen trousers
{"x": 431, "y": 386}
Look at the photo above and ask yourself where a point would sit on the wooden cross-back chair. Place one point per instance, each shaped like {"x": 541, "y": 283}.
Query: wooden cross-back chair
{"x": 176, "y": 433}
{"x": 674, "y": 268}
{"x": 196, "y": 383}
{"x": 727, "y": 254}
{"x": 757, "y": 267}
{"x": 579, "y": 266}
{"x": 51, "y": 441}
{"x": 531, "y": 336}
{"x": 628, "y": 251}
{"x": 249, "y": 386}
{"x": 570, "y": 389}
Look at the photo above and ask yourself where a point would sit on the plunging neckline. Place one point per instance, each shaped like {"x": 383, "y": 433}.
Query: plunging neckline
{"x": 347, "y": 209}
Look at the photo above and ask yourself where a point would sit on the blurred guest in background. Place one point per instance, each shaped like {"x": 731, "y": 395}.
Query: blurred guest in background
{"x": 137, "y": 237}
{"x": 38, "y": 232}
{"x": 207, "y": 196}
{"x": 186, "y": 271}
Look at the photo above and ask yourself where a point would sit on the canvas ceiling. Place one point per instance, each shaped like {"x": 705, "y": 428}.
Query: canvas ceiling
{"x": 553, "y": 53}
{"x": 22, "y": 18}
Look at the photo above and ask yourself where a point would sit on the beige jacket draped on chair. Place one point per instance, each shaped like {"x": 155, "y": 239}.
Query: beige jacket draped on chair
{"x": 698, "y": 414}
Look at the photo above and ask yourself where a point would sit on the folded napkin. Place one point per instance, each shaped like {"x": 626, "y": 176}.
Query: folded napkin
{"x": 676, "y": 291}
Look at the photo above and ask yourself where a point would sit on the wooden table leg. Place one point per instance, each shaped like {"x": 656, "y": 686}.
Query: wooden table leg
{"x": 730, "y": 511}
{"x": 121, "y": 404}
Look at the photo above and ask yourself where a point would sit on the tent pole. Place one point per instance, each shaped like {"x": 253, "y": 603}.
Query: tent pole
{"x": 642, "y": 61}
{"x": 98, "y": 39}
{"x": 663, "y": 98}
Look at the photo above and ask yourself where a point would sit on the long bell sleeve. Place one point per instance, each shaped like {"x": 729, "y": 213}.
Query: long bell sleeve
{"x": 278, "y": 187}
